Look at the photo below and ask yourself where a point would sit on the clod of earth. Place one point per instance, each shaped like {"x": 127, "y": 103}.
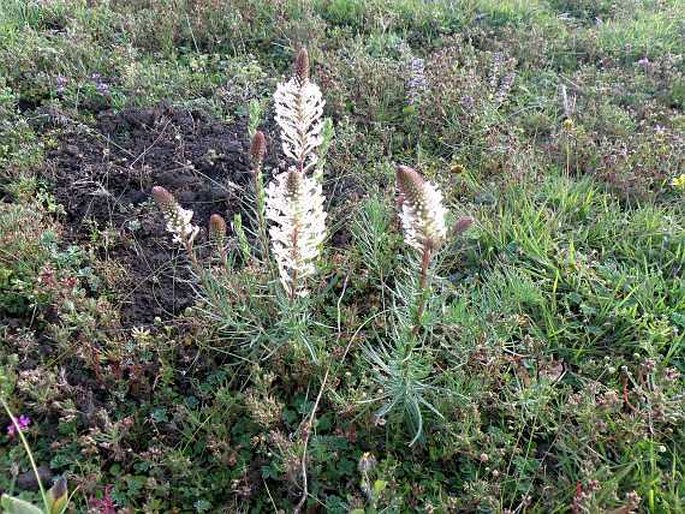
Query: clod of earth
{"x": 103, "y": 177}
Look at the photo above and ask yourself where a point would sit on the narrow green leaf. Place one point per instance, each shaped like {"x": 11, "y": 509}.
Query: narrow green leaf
{"x": 11, "y": 505}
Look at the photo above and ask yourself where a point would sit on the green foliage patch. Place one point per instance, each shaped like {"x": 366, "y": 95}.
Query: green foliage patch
{"x": 540, "y": 366}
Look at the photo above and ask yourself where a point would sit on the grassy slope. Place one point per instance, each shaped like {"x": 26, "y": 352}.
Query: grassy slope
{"x": 547, "y": 376}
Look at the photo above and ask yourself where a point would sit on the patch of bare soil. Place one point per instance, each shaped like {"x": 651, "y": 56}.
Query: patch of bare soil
{"x": 103, "y": 176}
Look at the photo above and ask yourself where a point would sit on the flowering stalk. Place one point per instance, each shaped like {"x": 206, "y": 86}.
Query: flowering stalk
{"x": 294, "y": 201}
{"x": 421, "y": 210}
{"x": 257, "y": 154}
{"x": 178, "y": 220}
{"x": 295, "y": 206}
{"x": 423, "y": 221}
{"x": 299, "y": 110}
{"x": 417, "y": 85}
{"x": 217, "y": 235}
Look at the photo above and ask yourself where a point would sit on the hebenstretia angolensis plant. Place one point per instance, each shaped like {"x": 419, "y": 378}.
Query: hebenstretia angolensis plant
{"x": 424, "y": 222}
{"x": 294, "y": 198}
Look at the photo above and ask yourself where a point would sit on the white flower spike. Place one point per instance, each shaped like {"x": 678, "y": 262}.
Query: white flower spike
{"x": 299, "y": 114}
{"x": 295, "y": 206}
{"x": 421, "y": 210}
{"x": 178, "y": 219}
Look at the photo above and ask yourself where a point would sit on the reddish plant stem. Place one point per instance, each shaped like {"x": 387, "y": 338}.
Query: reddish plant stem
{"x": 191, "y": 255}
{"x": 293, "y": 285}
{"x": 423, "y": 281}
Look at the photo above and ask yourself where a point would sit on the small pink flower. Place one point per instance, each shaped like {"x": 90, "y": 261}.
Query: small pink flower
{"x": 23, "y": 423}
{"x": 104, "y": 505}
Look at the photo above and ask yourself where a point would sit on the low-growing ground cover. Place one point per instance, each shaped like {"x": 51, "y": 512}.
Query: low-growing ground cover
{"x": 540, "y": 369}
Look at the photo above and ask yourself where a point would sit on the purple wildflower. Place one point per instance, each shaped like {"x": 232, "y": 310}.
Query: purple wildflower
{"x": 23, "y": 423}
{"x": 504, "y": 88}
{"x": 417, "y": 85}
{"x": 498, "y": 62}
{"x": 61, "y": 83}
{"x": 467, "y": 102}
{"x": 101, "y": 86}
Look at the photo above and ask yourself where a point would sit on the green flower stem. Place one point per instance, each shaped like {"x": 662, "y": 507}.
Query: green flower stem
{"x": 25, "y": 443}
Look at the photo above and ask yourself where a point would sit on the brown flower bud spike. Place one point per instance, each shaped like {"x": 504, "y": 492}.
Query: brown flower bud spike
{"x": 162, "y": 197}
{"x": 217, "y": 235}
{"x": 462, "y": 225}
{"x": 179, "y": 220}
{"x": 217, "y": 227}
{"x": 258, "y": 148}
{"x": 302, "y": 66}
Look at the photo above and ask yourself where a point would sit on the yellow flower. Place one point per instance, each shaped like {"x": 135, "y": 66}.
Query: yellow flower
{"x": 679, "y": 182}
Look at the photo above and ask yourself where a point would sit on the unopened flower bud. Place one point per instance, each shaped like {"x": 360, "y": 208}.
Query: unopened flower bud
{"x": 367, "y": 462}
{"x": 462, "y": 225}
{"x": 302, "y": 65}
{"x": 163, "y": 197}
{"x": 258, "y": 149}
{"x": 217, "y": 226}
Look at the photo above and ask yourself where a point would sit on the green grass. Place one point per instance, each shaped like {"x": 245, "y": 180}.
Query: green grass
{"x": 547, "y": 375}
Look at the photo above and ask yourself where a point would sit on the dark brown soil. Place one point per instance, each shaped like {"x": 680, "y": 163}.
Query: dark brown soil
{"x": 103, "y": 176}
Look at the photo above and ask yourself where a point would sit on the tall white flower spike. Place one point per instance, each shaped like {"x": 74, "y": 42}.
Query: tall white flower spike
{"x": 421, "y": 210}
{"x": 295, "y": 206}
{"x": 294, "y": 201}
{"x": 299, "y": 114}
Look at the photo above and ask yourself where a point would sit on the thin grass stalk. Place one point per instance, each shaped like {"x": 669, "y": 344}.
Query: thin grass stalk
{"x": 27, "y": 448}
